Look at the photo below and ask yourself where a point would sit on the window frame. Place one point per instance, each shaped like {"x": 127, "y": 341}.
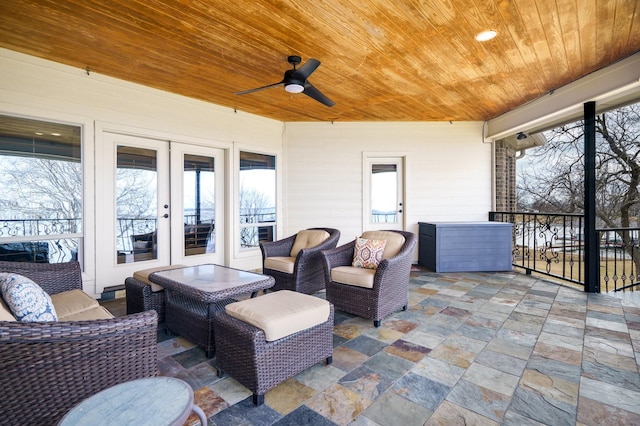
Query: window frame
{"x": 85, "y": 237}
{"x": 240, "y": 250}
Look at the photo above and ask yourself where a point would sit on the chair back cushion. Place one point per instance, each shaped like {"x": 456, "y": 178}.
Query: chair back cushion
{"x": 308, "y": 238}
{"x": 282, "y": 264}
{"x": 394, "y": 244}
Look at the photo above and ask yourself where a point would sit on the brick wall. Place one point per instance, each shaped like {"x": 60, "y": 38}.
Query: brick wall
{"x": 505, "y": 163}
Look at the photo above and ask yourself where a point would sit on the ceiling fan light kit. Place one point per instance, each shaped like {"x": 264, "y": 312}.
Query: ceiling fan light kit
{"x": 294, "y": 88}
{"x": 296, "y": 81}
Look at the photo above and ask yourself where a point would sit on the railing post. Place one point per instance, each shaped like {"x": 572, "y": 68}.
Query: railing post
{"x": 591, "y": 255}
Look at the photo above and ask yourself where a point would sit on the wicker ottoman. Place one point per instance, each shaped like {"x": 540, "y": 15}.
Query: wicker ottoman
{"x": 143, "y": 295}
{"x": 281, "y": 344}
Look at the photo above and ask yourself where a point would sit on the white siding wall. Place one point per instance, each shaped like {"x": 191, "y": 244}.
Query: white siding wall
{"x": 448, "y": 172}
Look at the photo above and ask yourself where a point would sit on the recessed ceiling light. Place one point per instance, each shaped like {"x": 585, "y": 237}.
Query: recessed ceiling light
{"x": 39, "y": 133}
{"x": 486, "y": 35}
{"x": 55, "y": 134}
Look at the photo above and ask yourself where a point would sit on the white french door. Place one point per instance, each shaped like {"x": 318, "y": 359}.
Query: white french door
{"x": 158, "y": 203}
{"x": 383, "y": 203}
{"x": 197, "y": 200}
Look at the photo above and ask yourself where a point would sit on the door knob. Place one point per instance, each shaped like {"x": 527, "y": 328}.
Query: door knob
{"x": 166, "y": 215}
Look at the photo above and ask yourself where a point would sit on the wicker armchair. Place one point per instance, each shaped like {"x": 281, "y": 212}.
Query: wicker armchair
{"x": 308, "y": 270}
{"x": 48, "y": 367}
{"x": 390, "y": 291}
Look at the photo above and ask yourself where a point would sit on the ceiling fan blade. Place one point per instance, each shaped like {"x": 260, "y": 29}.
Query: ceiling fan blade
{"x": 305, "y": 71}
{"x": 244, "y": 92}
{"x": 314, "y": 93}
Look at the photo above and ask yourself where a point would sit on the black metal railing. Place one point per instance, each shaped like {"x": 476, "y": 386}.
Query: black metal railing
{"x": 386, "y": 217}
{"x": 619, "y": 257}
{"x": 553, "y": 244}
{"x": 39, "y": 227}
{"x": 49, "y": 241}
{"x": 550, "y": 244}
{"x": 130, "y": 229}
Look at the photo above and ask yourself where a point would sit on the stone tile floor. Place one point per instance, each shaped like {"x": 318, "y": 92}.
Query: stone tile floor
{"x": 473, "y": 349}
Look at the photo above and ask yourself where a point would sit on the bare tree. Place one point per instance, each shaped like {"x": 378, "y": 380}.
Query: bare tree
{"x": 254, "y": 205}
{"x": 41, "y": 196}
{"x": 555, "y": 180}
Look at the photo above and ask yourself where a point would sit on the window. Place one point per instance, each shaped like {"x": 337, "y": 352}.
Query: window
{"x": 257, "y": 198}
{"x": 136, "y": 204}
{"x": 384, "y": 193}
{"x": 41, "y": 191}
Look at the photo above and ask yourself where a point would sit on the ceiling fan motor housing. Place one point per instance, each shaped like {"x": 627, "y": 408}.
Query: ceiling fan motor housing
{"x": 294, "y": 60}
{"x": 292, "y": 84}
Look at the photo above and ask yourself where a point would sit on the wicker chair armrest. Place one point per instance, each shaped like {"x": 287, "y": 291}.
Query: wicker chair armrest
{"x": 339, "y": 256}
{"x": 398, "y": 263}
{"x": 52, "y": 277}
{"x": 47, "y": 368}
{"x": 280, "y": 248}
{"x": 34, "y": 332}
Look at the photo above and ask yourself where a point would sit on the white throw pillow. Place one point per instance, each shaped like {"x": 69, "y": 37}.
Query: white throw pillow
{"x": 26, "y": 299}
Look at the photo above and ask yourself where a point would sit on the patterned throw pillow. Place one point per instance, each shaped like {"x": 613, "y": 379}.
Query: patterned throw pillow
{"x": 26, "y": 299}
{"x": 368, "y": 253}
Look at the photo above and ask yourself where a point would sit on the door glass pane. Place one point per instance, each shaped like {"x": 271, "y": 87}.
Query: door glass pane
{"x": 257, "y": 198}
{"x": 40, "y": 191}
{"x": 384, "y": 193}
{"x": 199, "y": 204}
{"x": 136, "y": 204}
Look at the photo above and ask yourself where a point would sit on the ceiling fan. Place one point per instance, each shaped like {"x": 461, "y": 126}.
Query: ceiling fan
{"x": 295, "y": 81}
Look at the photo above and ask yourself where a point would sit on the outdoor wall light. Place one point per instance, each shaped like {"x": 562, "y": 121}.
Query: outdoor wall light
{"x": 521, "y": 136}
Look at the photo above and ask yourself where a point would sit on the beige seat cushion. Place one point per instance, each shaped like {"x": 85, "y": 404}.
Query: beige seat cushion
{"x": 5, "y": 312}
{"x": 282, "y": 264}
{"x": 281, "y": 313}
{"x": 97, "y": 312}
{"x": 394, "y": 241}
{"x": 361, "y": 277}
{"x": 143, "y": 275}
{"x": 308, "y": 238}
{"x": 72, "y": 302}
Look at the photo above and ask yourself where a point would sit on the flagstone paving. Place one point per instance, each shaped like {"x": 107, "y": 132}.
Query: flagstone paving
{"x": 473, "y": 348}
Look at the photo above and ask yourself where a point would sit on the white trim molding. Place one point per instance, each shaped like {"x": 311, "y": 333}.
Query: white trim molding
{"x": 610, "y": 87}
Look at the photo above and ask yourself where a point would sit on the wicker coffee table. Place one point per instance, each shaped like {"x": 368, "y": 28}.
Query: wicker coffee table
{"x": 195, "y": 293}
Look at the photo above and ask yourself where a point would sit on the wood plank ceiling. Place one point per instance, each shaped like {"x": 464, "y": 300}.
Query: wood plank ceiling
{"x": 381, "y": 60}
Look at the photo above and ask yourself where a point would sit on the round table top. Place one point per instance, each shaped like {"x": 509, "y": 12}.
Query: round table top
{"x": 150, "y": 401}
